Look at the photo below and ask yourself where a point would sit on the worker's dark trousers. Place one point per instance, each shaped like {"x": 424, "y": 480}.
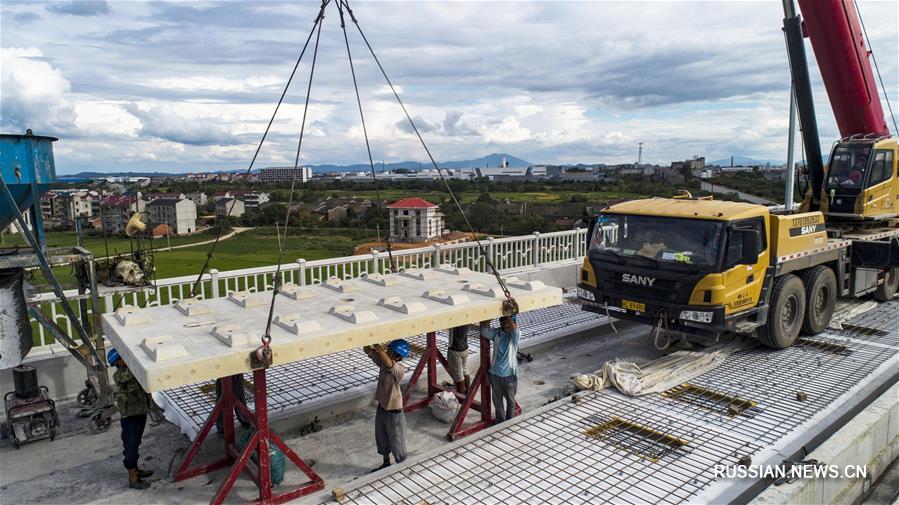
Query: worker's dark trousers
{"x": 238, "y": 390}
{"x": 132, "y": 432}
{"x": 504, "y": 389}
{"x": 390, "y": 433}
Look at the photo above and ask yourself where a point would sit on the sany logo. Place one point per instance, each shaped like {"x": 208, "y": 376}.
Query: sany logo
{"x": 642, "y": 280}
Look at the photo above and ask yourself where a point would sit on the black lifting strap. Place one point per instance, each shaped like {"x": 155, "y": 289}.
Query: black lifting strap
{"x": 510, "y": 306}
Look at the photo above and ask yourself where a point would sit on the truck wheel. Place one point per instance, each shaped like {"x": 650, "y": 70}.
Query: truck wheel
{"x": 886, "y": 291}
{"x": 821, "y": 296}
{"x": 786, "y": 313}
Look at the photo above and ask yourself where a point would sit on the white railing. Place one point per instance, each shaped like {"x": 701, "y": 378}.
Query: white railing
{"x": 511, "y": 253}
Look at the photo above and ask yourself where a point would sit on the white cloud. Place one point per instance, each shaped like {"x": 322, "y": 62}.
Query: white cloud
{"x": 35, "y": 94}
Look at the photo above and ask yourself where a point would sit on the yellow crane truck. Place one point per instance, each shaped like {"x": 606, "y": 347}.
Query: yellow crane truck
{"x": 707, "y": 267}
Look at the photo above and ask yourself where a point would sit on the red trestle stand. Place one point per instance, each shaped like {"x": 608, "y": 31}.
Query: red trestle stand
{"x": 480, "y": 383}
{"x": 240, "y": 460}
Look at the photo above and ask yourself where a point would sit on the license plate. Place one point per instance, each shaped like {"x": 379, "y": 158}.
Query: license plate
{"x": 635, "y": 306}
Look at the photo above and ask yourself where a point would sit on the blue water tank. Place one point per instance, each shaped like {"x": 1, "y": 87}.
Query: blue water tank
{"x": 25, "y": 159}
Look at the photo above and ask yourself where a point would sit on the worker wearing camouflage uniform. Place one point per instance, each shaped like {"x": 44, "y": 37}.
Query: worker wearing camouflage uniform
{"x": 133, "y": 404}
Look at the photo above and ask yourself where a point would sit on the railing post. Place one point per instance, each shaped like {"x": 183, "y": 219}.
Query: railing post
{"x": 302, "y": 264}
{"x": 214, "y": 277}
{"x": 490, "y": 256}
{"x": 536, "y": 248}
{"x": 108, "y": 303}
{"x": 436, "y": 255}
{"x": 374, "y": 263}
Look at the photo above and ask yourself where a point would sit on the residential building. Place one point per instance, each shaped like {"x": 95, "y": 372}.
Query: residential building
{"x": 415, "y": 220}
{"x": 170, "y": 196}
{"x": 179, "y": 215}
{"x": 198, "y": 197}
{"x": 116, "y": 210}
{"x": 62, "y": 207}
{"x": 336, "y": 209}
{"x": 233, "y": 207}
{"x": 284, "y": 174}
{"x": 252, "y": 199}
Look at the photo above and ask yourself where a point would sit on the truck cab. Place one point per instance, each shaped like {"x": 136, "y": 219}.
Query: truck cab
{"x": 861, "y": 182}
{"x": 699, "y": 265}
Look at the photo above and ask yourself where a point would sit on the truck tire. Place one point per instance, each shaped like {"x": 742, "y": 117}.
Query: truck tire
{"x": 786, "y": 313}
{"x": 886, "y": 291}
{"x": 821, "y": 296}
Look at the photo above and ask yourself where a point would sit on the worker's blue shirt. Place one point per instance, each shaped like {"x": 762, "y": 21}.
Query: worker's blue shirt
{"x": 505, "y": 351}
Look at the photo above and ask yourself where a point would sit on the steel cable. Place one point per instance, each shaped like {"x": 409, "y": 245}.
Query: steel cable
{"x": 266, "y": 337}
{"x": 487, "y": 259}
{"x": 193, "y": 291}
{"x": 365, "y": 134}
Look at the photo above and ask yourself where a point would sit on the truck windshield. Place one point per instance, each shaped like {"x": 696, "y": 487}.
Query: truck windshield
{"x": 847, "y": 166}
{"x": 676, "y": 240}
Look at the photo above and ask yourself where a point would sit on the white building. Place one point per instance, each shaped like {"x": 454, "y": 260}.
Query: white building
{"x": 252, "y": 199}
{"x": 415, "y": 220}
{"x": 284, "y": 174}
{"x": 198, "y": 197}
{"x": 230, "y": 206}
{"x": 179, "y": 215}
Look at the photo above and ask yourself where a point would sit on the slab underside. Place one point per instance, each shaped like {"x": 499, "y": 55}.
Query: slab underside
{"x": 196, "y": 340}
{"x": 308, "y": 386}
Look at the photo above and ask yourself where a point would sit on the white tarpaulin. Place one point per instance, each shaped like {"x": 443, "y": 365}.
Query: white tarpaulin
{"x": 655, "y": 376}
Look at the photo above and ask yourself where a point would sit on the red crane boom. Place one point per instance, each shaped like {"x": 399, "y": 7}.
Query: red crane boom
{"x": 834, "y": 29}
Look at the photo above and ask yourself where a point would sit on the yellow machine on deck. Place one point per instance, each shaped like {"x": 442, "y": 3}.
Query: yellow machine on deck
{"x": 708, "y": 267}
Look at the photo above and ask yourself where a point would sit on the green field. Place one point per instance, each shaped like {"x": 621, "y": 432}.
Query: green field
{"x": 97, "y": 244}
{"x": 259, "y": 247}
{"x": 252, "y": 248}
{"x": 554, "y": 196}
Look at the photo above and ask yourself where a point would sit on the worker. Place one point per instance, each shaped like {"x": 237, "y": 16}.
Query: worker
{"x": 133, "y": 404}
{"x": 390, "y": 422}
{"x": 652, "y": 246}
{"x": 503, "y": 372}
{"x": 457, "y": 357}
{"x": 238, "y": 390}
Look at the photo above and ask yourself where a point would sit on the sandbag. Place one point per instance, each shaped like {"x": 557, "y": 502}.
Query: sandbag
{"x": 275, "y": 456}
{"x": 444, "y": 406}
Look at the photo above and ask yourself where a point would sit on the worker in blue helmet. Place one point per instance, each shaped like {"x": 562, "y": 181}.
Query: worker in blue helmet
{"x": 503, "y": 371}
{"x": 390, "y": 422}
{"x": 133, "y": 404}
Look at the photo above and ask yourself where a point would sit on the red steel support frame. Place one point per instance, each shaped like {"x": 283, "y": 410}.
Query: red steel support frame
{"x": 480, "y": 383}
{"x": 239, "y": 460}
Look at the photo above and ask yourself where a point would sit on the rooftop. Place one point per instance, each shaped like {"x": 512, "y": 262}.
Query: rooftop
{"x": 411, "y": 203}
{"x": 684, "y": 208}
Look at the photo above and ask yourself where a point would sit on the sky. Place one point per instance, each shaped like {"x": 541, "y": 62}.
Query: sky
{"x": 189, "y": 86}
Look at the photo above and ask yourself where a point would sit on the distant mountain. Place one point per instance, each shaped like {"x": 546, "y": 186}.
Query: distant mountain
{"x": 743, "y": 161}
{"x": 491, "y": 160}
{"x": 94, "y": 175}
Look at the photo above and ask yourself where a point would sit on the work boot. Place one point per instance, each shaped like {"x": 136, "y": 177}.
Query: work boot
{"x": 144, "y": 473}
{"x": 460, "y": 387}
{"x": 134, "y": 482}
{"x": 384, "y": 465}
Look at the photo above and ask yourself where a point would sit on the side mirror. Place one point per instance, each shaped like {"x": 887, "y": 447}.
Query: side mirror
{"x": 751, "y": 245}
